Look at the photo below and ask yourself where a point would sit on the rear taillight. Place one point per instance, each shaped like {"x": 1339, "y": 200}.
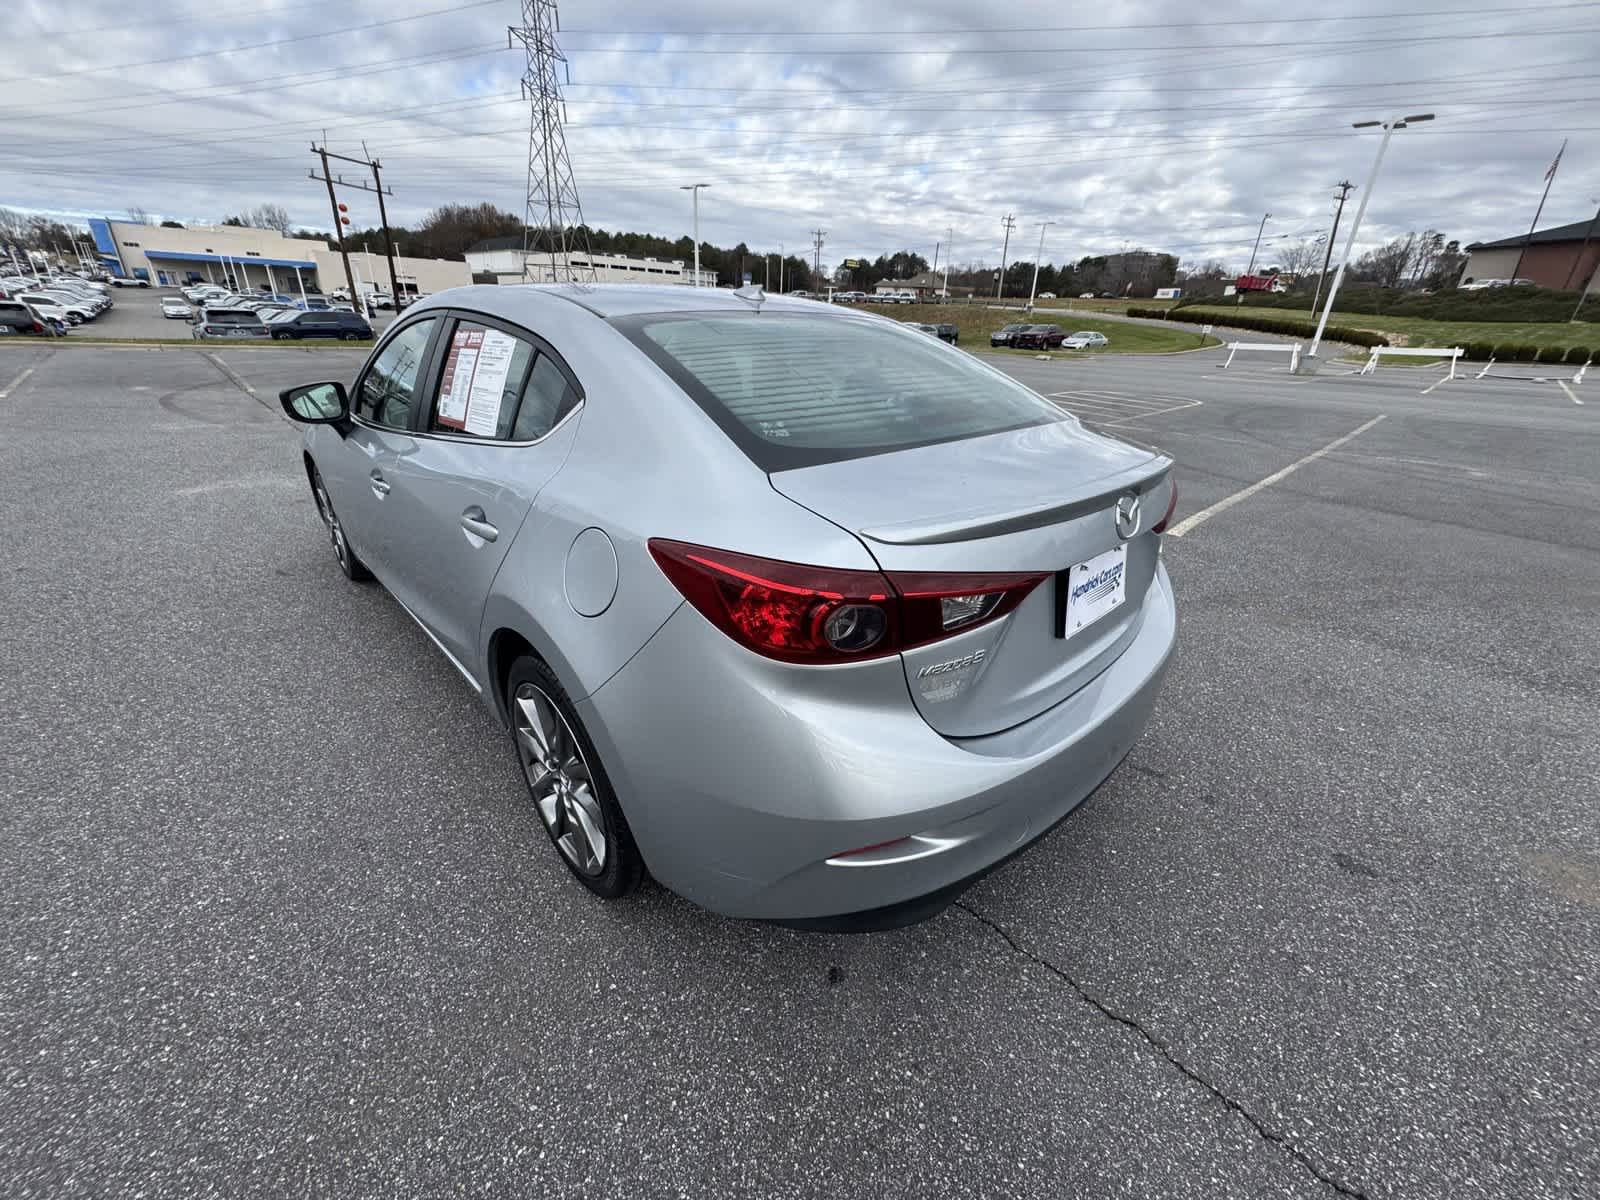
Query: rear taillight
{"x": 807, "y": 614}
{"x": 1172, "y": 507}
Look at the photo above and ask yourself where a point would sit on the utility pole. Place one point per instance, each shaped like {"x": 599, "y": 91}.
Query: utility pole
{"x": 388, "y": 238}
{"x": 950, "y": 244}
{"x": 694, "y": 188}
{"x": 1251, "y": 269}
{"x": 338, "y": 226}
{"x": 1000, "y": 284}
{"x": 1587, "y": 235}
{"x": 782, "y": 254}
{"x": 1033, "y": 291}
{"x": 1345, "y": 188}
{"x": 817, "y": 238}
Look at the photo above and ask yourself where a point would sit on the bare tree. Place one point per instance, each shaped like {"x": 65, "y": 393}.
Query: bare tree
{"x": 1386, "y": 267}
{"x": 138, "y": 216}
{"x": 1299, "y": 258}
{"x": 13, "y": 225}
{"x": 269, "y": 216}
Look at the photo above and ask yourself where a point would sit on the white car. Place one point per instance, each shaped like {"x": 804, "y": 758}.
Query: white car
{"x": 59, "y": 307}
{"x": 129, "y": 281}
{"x": 173, "y": 307}
{"x": 1084, "y": 340}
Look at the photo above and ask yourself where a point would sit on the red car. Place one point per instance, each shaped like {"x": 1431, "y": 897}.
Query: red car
{"x": 1039, "y": 337}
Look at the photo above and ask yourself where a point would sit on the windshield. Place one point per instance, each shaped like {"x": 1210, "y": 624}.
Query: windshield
{"x": 797, "y": 390}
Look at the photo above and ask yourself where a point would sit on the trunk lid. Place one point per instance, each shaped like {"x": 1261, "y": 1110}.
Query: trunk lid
{"x": 1036, "y": 500}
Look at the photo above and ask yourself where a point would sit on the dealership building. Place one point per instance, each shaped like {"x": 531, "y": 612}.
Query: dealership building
{"x": 251, "y": 259}
{"x": 1566, "y": 257}
{"x": 503, "y": 258}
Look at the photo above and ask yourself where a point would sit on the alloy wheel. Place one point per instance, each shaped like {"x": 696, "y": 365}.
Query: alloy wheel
{"x": 559, "y": 777}
{"x": 341, "y": 551}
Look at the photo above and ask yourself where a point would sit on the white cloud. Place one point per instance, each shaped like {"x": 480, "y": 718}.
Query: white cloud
{"x": 1173, "y": 131}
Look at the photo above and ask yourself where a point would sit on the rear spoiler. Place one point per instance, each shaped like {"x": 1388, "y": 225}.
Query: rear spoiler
{"x": 970, "y": 526}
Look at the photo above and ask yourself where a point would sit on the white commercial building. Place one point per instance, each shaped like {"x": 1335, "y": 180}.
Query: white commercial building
{"x": 502, "y": 257}
{"x": 252, "y": 259}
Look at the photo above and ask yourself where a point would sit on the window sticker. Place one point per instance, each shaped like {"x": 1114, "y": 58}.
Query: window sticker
{"x": 488, "y": 386}
{"x": 458, "y": 372}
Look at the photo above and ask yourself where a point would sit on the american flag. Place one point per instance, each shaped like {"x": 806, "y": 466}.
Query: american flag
{"x": 1551, "y": 173}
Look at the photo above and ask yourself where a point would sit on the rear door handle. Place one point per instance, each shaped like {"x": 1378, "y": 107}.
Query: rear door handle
{"x": 380, "y": 485}
{"x": 474, "y": 521}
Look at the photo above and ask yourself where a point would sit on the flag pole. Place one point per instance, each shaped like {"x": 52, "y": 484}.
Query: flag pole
{"x": 1549, "y": 178}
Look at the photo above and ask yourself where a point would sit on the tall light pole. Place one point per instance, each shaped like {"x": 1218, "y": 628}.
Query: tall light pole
{"x": 695, "y": 188}
{"x": 1361, "y": 210}
{"x": 1034, "y": 287}
{"x": 1251, "y": 269}
{"x": 1000, "y": 286}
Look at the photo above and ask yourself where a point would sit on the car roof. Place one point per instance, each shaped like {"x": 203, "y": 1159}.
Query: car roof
{"x": 606, "y": 300}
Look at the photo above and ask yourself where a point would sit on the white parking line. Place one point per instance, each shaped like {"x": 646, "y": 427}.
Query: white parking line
{"x": 17, "y": 382}
{"x": 1571, "y": 395}
{"x": 1227, "y": 502}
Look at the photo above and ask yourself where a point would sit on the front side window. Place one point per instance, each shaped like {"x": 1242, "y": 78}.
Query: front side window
{"x": 797, "y": 390}
{"x": 388, "y": 389}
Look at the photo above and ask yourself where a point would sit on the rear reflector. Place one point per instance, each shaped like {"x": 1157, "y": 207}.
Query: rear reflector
{"x": 1172, "y": 507}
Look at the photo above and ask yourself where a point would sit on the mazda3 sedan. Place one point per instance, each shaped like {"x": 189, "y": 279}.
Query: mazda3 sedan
{"x": 813, "y": 617}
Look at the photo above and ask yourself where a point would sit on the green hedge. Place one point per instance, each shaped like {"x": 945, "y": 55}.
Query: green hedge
{"x": 1479, "y": 351}
{"x": 1507, "y": 304}
{"x": 1578, "y": 355}
{"x": 1283, "y": 326}
{"x": 1552, "y": 354}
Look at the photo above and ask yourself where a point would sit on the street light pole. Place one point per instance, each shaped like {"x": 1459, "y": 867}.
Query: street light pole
{"x": 1033, "y": 289}
{"x": 1251, "y": 269}
{"x": 950, "y": 237}
{"x": 1361, "y": 210}
{"x": 695, "y": 188}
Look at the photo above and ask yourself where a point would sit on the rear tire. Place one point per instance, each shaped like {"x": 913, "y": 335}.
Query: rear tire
{"x": 349, "y": 337}
{"x": 354, "y": 569}
{"x": 568, "y": 784}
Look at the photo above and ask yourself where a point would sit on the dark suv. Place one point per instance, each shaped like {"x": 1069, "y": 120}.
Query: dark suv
{"x": 1039, "y": 337}
{"x": 1003, "y": 337}
{"x": 17, "y": 318}
{"x": 346, "y": 326}
{"x": 948, "y": 333}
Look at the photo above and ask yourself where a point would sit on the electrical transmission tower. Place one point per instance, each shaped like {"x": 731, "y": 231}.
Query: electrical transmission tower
{"x": 552, "y": 223}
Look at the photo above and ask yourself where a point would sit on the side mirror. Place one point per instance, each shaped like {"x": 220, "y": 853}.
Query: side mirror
{"x": 315, "y": 403}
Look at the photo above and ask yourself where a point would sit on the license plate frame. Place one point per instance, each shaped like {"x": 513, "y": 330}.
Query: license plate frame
{"x": 1101, "y": 587}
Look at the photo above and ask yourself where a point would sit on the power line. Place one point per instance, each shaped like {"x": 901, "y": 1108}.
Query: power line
{"x": 1452, "y": 14}
{"x": 303, "y": 37}
{"x": 880, "y": 51}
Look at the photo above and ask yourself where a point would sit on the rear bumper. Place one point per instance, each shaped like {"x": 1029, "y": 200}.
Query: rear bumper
{"x": 743, "y": 792}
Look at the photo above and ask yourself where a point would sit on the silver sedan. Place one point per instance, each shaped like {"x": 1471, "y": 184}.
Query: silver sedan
{"x": 812, "y": 616}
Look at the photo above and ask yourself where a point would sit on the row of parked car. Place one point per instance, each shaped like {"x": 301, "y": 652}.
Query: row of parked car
{"x": 218, "y": 313}
{"x": 945, "y": 333}
{"x": 49, "y": 305}
{"x": 1021, "y": 336}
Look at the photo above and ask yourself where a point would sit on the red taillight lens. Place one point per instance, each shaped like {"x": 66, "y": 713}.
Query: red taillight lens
{"x": 782, "y": 610}
{"x": 810, "y": 614}
{"x": 1172, "y": 507}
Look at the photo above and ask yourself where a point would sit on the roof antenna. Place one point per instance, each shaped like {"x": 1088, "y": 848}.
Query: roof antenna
{"x": 752, "y": 293}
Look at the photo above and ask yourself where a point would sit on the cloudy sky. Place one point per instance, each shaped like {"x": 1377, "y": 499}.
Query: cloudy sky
{"x": 1153, "y": 124}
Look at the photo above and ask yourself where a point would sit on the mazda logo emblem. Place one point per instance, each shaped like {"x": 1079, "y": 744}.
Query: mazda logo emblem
{"x": 1127, "y": 516}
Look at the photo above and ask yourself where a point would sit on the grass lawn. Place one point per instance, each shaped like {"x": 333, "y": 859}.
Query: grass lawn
{"x": 1419, "y": 331}
{"x": 976, "y": 324}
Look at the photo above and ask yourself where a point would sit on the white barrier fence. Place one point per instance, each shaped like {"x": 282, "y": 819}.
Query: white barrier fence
{"x": 1276, "y": 347}
{"x": 1453, "y": 353}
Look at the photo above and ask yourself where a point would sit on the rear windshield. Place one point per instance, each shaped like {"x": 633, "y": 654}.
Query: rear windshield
{"x": 797, "y": 390}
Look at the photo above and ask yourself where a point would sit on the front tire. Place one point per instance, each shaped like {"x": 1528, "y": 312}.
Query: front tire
{"x": 569, "y": 786}
{"x": 354, "y": 569}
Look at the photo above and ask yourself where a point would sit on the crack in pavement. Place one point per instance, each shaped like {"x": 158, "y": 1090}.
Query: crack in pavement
{"x": 1161, "y": 1048}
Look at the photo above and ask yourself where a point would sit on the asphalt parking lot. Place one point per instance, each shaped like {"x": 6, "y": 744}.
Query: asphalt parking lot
{"x": 279, "y": 918}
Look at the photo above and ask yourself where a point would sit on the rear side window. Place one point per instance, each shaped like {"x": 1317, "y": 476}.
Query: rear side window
{"x": 499, "y": 387}
{"x": 797, "y": 390}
